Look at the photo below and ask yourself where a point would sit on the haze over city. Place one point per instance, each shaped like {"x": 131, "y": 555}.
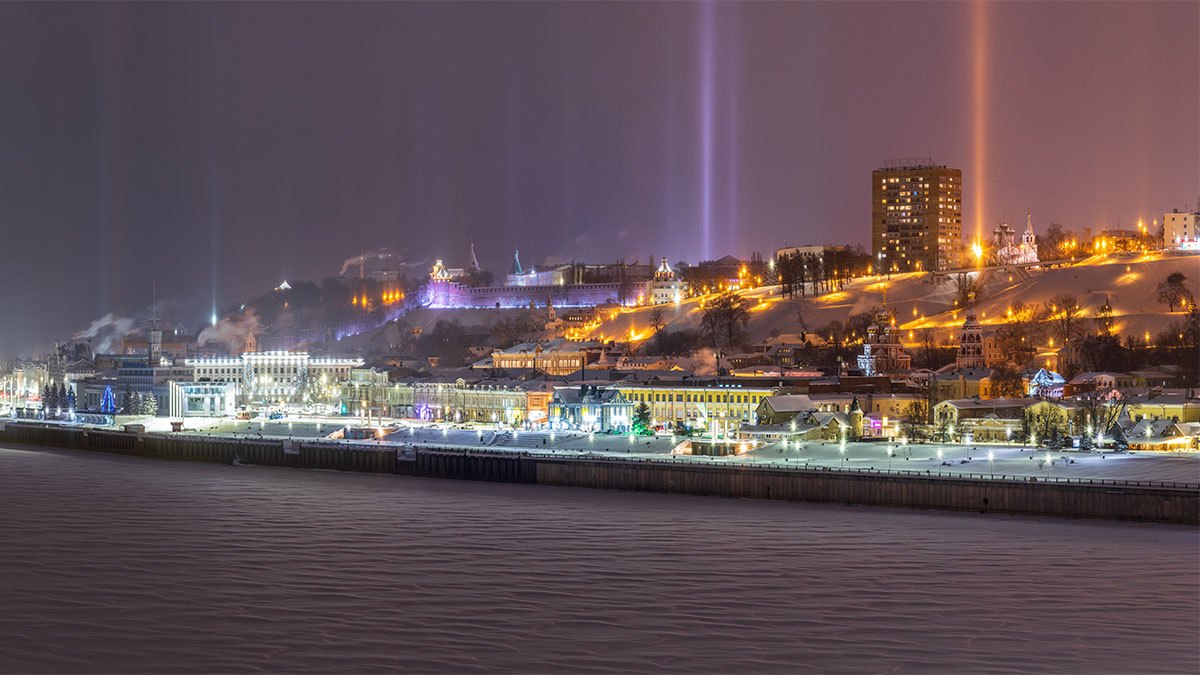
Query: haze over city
{"x": 219, "y": 148}
{"x": 605, "y": 337}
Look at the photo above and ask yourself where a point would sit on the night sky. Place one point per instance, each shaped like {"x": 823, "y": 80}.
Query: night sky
{"x": 230, "y": 146}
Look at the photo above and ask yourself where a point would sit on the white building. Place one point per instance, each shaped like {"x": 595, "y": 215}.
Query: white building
{"x": 1180, "y": 230}
{"x": 277, "y": 377}
{"x": 666, "y": 288}
{"x": 202, "y": 399}
{"x": 1008, "y": 251}
{"x": 135, "y": 378}
{"x": 806, "y": 252}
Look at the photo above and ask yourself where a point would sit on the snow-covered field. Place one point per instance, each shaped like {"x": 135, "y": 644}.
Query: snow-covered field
{"x": 988, "y": 460}
{"x": 1128, "y": 282}
{"x": 1005, "y": 461}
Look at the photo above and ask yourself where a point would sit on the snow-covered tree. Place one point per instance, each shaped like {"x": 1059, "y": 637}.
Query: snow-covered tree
{"x": 135, "y": 404}
{"x": 1119, "y": 440}
{"x": 150, "y": 405}
{"x": 1055, "y": 442}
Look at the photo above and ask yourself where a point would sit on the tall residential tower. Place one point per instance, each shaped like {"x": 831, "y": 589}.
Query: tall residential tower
{"x": 916, "y": 215}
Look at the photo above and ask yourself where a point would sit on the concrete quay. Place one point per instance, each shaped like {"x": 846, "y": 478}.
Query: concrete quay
{"x": 1135, "y": 501}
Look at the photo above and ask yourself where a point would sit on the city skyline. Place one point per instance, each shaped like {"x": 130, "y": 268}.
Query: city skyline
{"x": 218, "y": 149}
{"x": 593, "y": 336}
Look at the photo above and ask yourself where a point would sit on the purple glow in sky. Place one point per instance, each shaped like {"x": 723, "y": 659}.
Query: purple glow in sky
{"x": 219, "y": 148}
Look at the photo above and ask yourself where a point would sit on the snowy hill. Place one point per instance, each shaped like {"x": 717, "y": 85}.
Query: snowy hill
{"x": 921, "y": 299}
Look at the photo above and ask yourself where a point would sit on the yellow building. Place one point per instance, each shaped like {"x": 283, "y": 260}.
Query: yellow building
{"x": 705, "y": 407}
{"x": 970, "y": 383}
{"x": 1167, "y": 405}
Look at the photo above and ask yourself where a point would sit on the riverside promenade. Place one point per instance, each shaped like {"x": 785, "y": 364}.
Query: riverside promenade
{"x": 1149, "y": 501}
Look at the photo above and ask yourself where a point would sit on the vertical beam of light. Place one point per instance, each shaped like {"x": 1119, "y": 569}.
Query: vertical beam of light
{"x": 980, "y": 103}
{"x": 214, "y": 164}
{"x": 707, "y": 30}
{"x": 214, "y": 204}
{"x": 109, "y": 66}
{"x": 670, "y": 139}
{"x": 732, "y": 242}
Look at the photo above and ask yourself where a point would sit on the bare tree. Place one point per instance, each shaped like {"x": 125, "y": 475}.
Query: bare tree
{"x": 1098, "y": 409}
{"x": 1021, "y": 331}
{"x": 657, "y": 323}
{"x": 725, "y": 319}
{"x": 1007, "y": 382}
{"x": 1174, "y": 290}
{"x": 1047, "y": 422}
{"x": 916, "y": 415}
{"x": 964, "y": 287}
{"x": 1065, "y": 316}
{"x": 928, "y": 341}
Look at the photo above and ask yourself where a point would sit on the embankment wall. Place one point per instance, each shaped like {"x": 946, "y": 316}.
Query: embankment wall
{"x": 1165, "y": 504}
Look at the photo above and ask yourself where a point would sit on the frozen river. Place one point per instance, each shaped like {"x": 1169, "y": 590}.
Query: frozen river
{"x": 115, "y": 564}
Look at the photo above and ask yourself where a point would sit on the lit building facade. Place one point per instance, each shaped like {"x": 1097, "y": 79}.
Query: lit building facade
{"x": 1181, "y": 230}
{"x": 707, "y": 407}
{"x": 883, "y": 353}
{"x": 666, "y": 288}
{"x": 1008, "y": 251}
{"x": 133, "y": 377}
{"x": 557, "y": 357}
{"x": 486, "y": 401}
{"x": 590, "y": 408}
{"x": 202, "y": 399}
{"x": 365, "y": 390}
{"x": 278, "y": 377}
{"x": 970, "y": 343}
{"x": 24, "y": 383}
{"x": 916, "y": 216}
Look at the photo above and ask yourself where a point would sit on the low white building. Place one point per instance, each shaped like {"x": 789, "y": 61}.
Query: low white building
{"x": 202, "y": 399}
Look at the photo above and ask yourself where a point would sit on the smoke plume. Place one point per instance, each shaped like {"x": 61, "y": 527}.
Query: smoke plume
{"x": 106, "y": 332}
{"x": 232, "y": 331}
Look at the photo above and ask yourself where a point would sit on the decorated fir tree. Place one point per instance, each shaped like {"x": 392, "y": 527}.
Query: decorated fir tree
{"x": 642, "y": 420}
{"x": 108, "y": 404}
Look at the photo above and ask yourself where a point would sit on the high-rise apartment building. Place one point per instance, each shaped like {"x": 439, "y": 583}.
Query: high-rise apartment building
{"x": 1182, "y": 230}
{"x": 916, "y": 216}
